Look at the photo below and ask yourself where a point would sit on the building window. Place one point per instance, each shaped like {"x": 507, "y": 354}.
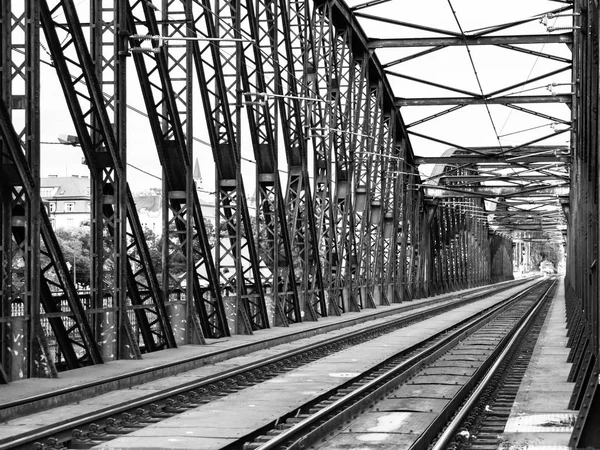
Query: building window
{"x": 88, "y": 206}
{"x": 46, "y": 192}
{"x": 69, "y": 207}
{"x": 52, "y": 207}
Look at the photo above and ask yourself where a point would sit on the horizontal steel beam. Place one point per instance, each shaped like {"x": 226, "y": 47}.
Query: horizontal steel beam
{"x": 565, "y": 38}
{"x": 525, "y": 214}
{"x": 523, "y": 227}
{"x": 511, "y": 149}
{"x": 545, "y": 191}
{"x": 496, "y": 186}
{"x": 480, "y": 159}
{"x": 506, "y": 100}
{"x": 458, "y": 180}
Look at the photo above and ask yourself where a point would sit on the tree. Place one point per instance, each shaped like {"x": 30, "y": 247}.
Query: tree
{"x": 75, "y": 244}
{"x": 550, "y": 251}
{"x": 155, "y": 247}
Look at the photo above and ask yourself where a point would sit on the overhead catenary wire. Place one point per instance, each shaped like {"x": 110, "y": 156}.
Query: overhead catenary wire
{"x": 497, "y": 135}
{"x": 246, "y": 37}
{"x": 464, "y": 37}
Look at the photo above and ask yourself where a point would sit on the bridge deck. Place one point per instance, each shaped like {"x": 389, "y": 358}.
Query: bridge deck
{"x": 221, "y": 422}
{"x": 119, "y": 381}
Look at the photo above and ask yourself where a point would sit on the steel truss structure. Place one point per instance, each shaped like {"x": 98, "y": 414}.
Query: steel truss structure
{"x": 581, "y": 283}
{"x": 340, "y": 218}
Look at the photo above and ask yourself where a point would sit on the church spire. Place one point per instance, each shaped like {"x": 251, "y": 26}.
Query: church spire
{"x": 197, "y": 174}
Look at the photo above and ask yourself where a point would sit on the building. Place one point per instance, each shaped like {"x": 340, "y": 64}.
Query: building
{"x": 149, "y": 208}
{"x": 67, "y": 200}
{"x": 149, "y": 204}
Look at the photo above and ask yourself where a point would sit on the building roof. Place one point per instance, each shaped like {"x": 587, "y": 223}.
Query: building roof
{"x": 65, "y": 187}
{"x": 148, "y": 203}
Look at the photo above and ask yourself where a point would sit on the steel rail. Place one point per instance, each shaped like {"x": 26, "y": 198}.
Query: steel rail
{"x": 146, "y": 370}
{"x": 365, "y": 393}
{"x": 452, "y": 428}
{"x": 102, "y": 414}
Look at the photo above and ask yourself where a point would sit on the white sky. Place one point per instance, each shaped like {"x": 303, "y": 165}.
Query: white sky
{"x": 496, "y": 68}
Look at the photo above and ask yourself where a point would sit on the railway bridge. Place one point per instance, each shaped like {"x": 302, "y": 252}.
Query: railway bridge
{"x": 256, "y": 175}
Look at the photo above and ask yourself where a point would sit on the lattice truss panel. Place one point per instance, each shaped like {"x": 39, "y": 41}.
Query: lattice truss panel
{"x": 485, "y": 88}
{"x": 318, "y": 205}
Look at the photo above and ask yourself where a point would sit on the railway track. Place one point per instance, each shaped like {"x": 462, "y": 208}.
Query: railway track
{"x": 496, "y": 333}
{"x": 60, "y": 396}
{"x": 481, "y": 419}
{"x": 113, "y": 422}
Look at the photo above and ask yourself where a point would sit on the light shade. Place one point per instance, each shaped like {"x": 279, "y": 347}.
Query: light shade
{"x": 388, "y": 225}
{"x": 360, "y": 198}
{"x": 375, "y": 213}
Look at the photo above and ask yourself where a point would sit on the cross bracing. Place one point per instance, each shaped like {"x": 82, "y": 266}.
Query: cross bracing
{"x": 333, "y": 223}
{"x": 354, "y": 154}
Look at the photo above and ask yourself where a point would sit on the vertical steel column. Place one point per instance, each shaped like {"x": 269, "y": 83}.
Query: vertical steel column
{"x": 443, "y": 247}
{"x": 372, "y": 213}
{"x": 101, "y": 149}
{"x": 435, "y": 257}
{"x": 5, "y": 209}
{"x": 71, "y": 328}
{"x": 375, "y": 207}
{"x": 297, "y": 76}
{"x": 109, "y": 220}
{"x": 261, "y": 82}
{"x": 155, "y": 81}
{"x": 178, "y": 203}
{"x": 388, "y": 195}
{"x": 318, "y": 121}
{"x": 340, "y": 134}
{"x": 427, "y": 248}
{"x": 22, "y": 338}
{"x": 236, "y": 254}
{"x": 396, "y": 223}
{"x": 363, "y": 160}
{"x": 143, "y": 315}
{"x": 582, "y": 279}
{"x": 412, "y": 235}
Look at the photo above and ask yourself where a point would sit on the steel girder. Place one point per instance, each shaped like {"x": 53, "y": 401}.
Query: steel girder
{"x": 318, "y": 122}
{"x": 341, "y": 84}
{"x": 261, "y": 82}
{"x": 479, "y": 100}
{"x": 582, "y": 284}
{"x": 565, "y": 38}
{"x": 295, "y": 70}
{"x": 178, "y": 204}
{"x": 359, "y": 235}
{"x": 65, "y": 314}
{"x": 510, "y": 178}
{"x": 108, "y": 50}
{"x": 34, "y": 272}
{"x": 105, "y": 159}
{"x": 532, "y": 158}
{"x": 363, "y": 162}
{"x": 185, "y": 215}
{"x": 20, "y": 256}
{"x": 218, "y": 66}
